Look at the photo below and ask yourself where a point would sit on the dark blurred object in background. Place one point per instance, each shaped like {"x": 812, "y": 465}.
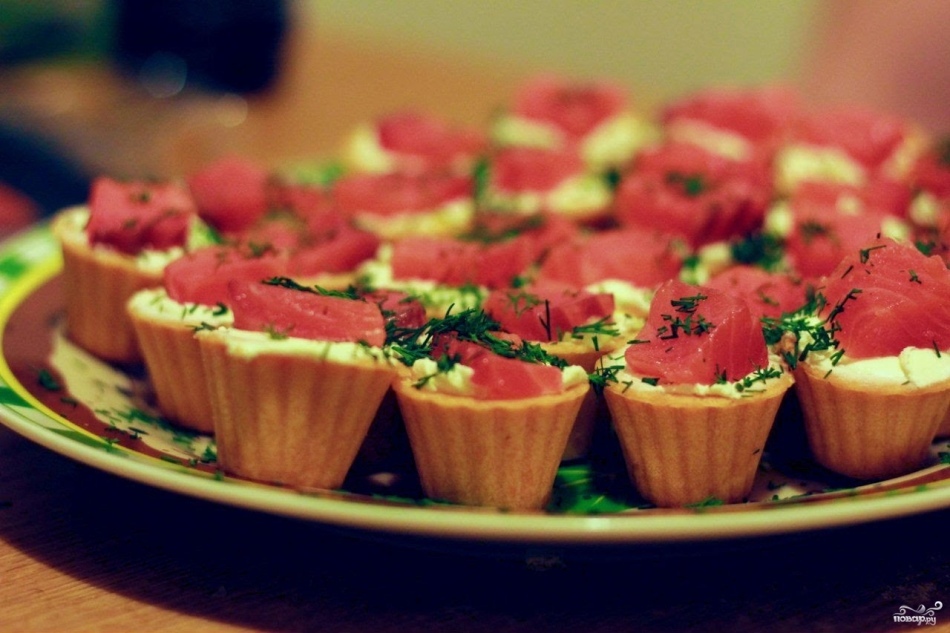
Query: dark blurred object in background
{"x": 33, "y": 166}
{"x": 222, "y": 45}
{"x": 37, "y": 31}
{"x": 166, "y": 47}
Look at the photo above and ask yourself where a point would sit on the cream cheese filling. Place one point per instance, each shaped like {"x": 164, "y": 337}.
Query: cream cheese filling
{"x": 797, "y": 163}
{"x": 155, "y": 303}
{"x": 732, "y": 389}
{"x": 435, "y": 297}
{"x": 714, "y": 139}
{"x": 457, "y": 380}
{"x": 575, "y": 196}
{"x": 914, "y": 366}
{"x": 610, "y": 143}
{"x": 452, "y": 218}
{"x": 364, "y": 152}
{"x": 248, "y": 344}
{"x": 632, "y": 301}
{"x": 147, "y": 260}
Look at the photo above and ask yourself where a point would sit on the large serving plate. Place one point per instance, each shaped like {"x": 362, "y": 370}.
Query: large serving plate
{"x": 58, "y": 396}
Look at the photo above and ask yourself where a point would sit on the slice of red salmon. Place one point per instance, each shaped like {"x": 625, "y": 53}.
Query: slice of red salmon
{"x": 285, "y": 311}
{"x": 135, "y": 215}
{"x": 231, "y": 193}
{"x": 697, "y": 335}
{"x": 887, "y": 296}
{"x": 683, "y": 188}
{"x": 642, "y": 257}
{"x": 425, "y": 142}
{"x": 497, "y": 377}
{"x": 202, "y": 276}
{"x": 397, "y": 193}
{"x": 769, "y": 294}
{"x": 545, "y": 311}
{"x": 573, "y": 107}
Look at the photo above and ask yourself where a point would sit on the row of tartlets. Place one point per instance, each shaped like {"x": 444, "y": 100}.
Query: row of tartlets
{"x": 500, "y": 293}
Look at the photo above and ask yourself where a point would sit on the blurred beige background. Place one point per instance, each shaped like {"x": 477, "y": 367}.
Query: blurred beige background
{"x": 345, "y": 61}
{"x": 349, "y": 60}
{"x": 657, "y": 48}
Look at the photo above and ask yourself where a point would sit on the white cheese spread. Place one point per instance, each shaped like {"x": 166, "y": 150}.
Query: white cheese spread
{"x": 155, "y": 303}
{"x": 457, "y": 380}
{"x": 740, "y": 388}
{"x": 914, "y": 367}
{"x": 247, "y": 344}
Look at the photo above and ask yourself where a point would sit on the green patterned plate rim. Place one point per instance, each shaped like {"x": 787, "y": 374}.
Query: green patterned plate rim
{"x": 588, "y": 508}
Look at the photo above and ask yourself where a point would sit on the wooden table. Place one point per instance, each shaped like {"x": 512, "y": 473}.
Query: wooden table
{"x": 81, "y": 550}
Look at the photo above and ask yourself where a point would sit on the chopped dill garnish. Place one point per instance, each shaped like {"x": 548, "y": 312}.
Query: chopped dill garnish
{"x": 443, "y": 364}
{"x": 210, "y": 455}
{"x": 761, "y": 375}
{"x": 692, "y": 261}
{"x": 839, "y": 307}
{"x": 865, "y": 253}
{"x": 276, "y": 334}
{"x": 522, "y": 301}
{"x": 472, "y": 325}
{"x": 766, "y": 299}
{"x": 689, "y": 304}
{"x": 942, "y": 151}
{"x": 259, "y": 249}
{"x": 926, "y": 247}
{"x": 546, "y": 321}
{"x": 690, "y": 185}
{"x": 604, "y": 326}
{"x": 803, "y": 324}
{"x": 692, "y": 325}
{"x": 758, "y": 249}
{"x": 603, "y": 375}
{"x": 708, "y": 502}
{"x": 351, "y": 292}
{"x": 47, "y": 381}
{"x": 812, "y": 229}
{"x": 520, "y": 282}
{"x": 481, "y": 177}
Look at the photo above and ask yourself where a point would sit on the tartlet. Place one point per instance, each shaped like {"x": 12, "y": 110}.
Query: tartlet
{"x": 193, "y": 294}
{"x": 873, "y": 376}
{"x": 694, "y": 397}
{"x": 294, "y": 409}
{"x": 573, "y": 325}
{"x": 115, "y": 246}
{"x": 488, "y": 418}
{"x": 683, "y": 449}
{"x": 866, "y": 430}
{"x": 495, "y": 453}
